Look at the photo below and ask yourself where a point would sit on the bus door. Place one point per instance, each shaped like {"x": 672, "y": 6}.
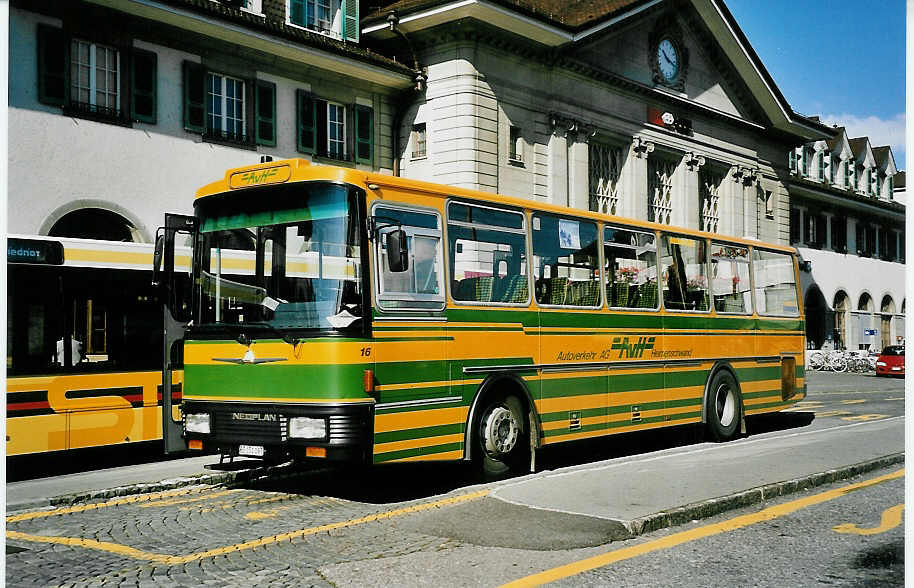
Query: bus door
{"x": 174, "y": 282}
{"x": 411, "y": 366}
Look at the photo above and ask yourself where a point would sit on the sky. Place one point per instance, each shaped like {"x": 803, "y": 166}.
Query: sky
{"x": 843, "y": 61}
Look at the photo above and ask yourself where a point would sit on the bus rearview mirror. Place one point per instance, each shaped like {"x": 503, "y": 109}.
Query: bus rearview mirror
{"x": 157, "y": 259}
{"x": 397, "y": 256}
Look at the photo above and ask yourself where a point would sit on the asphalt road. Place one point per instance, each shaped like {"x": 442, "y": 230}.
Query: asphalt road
{"x": 435, "y": 524}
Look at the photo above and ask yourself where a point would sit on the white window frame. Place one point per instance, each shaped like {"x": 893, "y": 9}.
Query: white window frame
{"x": 420, "y": 139}
{"x": 332, "y": 27}
{"x": 223, "y": 100}
{"x": 340, "y": 125}
{"x": 93, "y": 88}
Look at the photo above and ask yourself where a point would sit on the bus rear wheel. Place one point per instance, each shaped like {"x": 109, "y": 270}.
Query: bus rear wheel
{"x": 502, "y": 442}
{"x": 723, "y": 408}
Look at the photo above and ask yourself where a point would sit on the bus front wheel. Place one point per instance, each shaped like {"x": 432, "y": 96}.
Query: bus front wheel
{"x": 723, "y": 407}
{"x": 502, "y": 443}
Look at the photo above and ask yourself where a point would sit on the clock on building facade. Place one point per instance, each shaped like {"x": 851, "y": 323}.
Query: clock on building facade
{"x": 669, "y": 57}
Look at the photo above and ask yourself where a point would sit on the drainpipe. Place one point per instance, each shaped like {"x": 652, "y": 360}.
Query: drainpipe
{"x": 403, "y": 99}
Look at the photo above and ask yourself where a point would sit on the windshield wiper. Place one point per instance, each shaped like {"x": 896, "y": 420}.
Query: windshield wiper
{"x": 245, "y": 340}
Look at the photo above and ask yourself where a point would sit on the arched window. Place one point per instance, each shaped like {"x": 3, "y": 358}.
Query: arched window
{"x": 865, "y": 303}
{"x": 94, "y": 223}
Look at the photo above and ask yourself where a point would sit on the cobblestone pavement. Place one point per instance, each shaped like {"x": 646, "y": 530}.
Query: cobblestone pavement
{"x": 209, "y": 536}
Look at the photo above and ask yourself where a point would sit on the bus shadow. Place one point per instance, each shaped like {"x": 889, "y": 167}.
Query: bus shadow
{"x": 779, "y": 421}
{"x": 392, "y": 483}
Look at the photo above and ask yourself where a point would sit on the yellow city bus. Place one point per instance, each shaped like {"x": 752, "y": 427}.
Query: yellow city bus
{"x": 345, "y": 315}
{"x": 84, "y": 345}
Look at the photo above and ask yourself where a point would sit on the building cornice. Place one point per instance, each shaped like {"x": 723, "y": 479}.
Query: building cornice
{"x": 838, "y": 197}
{"x": 354, "y": 62}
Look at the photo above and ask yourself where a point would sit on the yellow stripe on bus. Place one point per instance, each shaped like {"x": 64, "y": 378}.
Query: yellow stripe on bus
{"x": 420, "y": 418}
{"x": 417, "y": 443}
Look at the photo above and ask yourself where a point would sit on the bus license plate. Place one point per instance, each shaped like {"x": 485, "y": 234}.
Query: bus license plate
{"x": 250, "y": 450}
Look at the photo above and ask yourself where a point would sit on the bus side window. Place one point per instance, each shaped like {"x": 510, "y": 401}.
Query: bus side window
{"x": 489, "y": 254}
{"x": 568, "y": 247}
{"x": 775, "y": 283}
{"x": 630, "y": 268}
{"x": 420, "y": 286}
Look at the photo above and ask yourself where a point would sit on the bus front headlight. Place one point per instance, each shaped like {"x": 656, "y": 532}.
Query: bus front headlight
{"x": 197, "y": 423}
{"x": 307, "y": 428}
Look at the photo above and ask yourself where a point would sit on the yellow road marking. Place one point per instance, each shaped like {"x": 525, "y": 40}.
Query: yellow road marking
{"x": 84, "y": 507}
{"x": 831, "y": 413}
{"x": 864, "y": 417}
{"x": 187, "y": 500}
{"x": 182, "y": 559}
{"x": 858, "y": 401}
{"x": 891, "y": 518}
{"x": 675, "y": 539}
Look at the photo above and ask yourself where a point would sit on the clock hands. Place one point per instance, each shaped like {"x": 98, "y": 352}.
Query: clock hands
{"x": 667, "y": 57}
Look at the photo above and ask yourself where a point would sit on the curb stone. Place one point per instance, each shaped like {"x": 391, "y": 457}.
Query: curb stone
{"x": 227, "y": 479}
{"x": 709, "y": 508}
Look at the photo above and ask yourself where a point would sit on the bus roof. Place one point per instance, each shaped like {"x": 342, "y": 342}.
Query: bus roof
{"x": 297, "y": 170}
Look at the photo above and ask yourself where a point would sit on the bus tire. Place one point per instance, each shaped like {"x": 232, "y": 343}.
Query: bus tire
{"x": 723, "y": 407}
{"x": 502, "y": 444}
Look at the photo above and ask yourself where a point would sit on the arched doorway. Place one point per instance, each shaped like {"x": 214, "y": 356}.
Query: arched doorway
{"x": 94, "y": 223}
{"x": 841, "y": 305}
{"x": 887, "y": 309}
{"x": 866, "y": 339}
{"x": 815, "y": 318}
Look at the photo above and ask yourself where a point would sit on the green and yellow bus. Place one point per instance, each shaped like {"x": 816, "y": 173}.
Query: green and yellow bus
{"x": 345, "y": 315}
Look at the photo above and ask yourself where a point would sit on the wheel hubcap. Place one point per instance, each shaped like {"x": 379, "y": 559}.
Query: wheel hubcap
{"x": 726, "y": 405}
{"x": 499, "y": 431}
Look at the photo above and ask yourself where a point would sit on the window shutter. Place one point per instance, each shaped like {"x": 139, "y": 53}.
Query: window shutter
{"x": 297, "y": 12}
{"x": 320, "y": 107}
{"x": 143, "y": 66}
{"x": 194, "y": 102}
{"x": 306, "y": 123}
{"x": 364, "y": 134}
{"x": 53, "y": 56}
{"x": 821, "y": 221}
{"x": 350, "y": 10}
{"x": 265, "y": 113}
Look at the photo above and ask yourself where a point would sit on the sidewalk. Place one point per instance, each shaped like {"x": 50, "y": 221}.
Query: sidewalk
{"x": 637, "y": 493}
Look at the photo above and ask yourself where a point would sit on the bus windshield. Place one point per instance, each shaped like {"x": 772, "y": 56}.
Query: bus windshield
{"x": 283, "y": 258}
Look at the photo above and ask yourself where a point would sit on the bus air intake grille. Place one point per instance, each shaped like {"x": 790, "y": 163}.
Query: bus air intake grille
{"x": 346, "y": 428}
{"x": 250, "y": 428}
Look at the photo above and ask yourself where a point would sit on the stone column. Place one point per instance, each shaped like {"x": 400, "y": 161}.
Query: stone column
{"x": 689, "y": 200}
{"x": 558, "y": 166}
{"x": 635, "y": 184}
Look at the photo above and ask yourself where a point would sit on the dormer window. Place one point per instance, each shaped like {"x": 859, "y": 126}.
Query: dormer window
{"x": 804, "y": 163}
{"x": 849, "y": 173}
{"x": 877, "y": 189}
{"x": 821, "y": 166}
{"x": 336, "y": 18}
{"x": 831, "y": 170}
{"x": 792, "y": 161}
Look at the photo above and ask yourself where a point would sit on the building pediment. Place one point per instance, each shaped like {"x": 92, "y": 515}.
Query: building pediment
{"x": 721, "y": 70}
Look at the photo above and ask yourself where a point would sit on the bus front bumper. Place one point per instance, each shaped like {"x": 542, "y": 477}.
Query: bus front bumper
{"x": 279, "y": 432}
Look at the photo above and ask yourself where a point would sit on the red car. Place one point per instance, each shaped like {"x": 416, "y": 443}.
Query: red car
{"x": 891, "y": 361}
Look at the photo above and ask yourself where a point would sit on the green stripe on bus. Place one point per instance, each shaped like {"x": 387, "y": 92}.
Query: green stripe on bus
{"x": 415, "y": 394}
{"x": 418, "y": 433}
{"x": 573, "y": 386}
{"x": 275, "y": 381}
{"x": 410, "y": 372}
{"x": 419, "y": 451}
{"x": 621, "y": 424}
